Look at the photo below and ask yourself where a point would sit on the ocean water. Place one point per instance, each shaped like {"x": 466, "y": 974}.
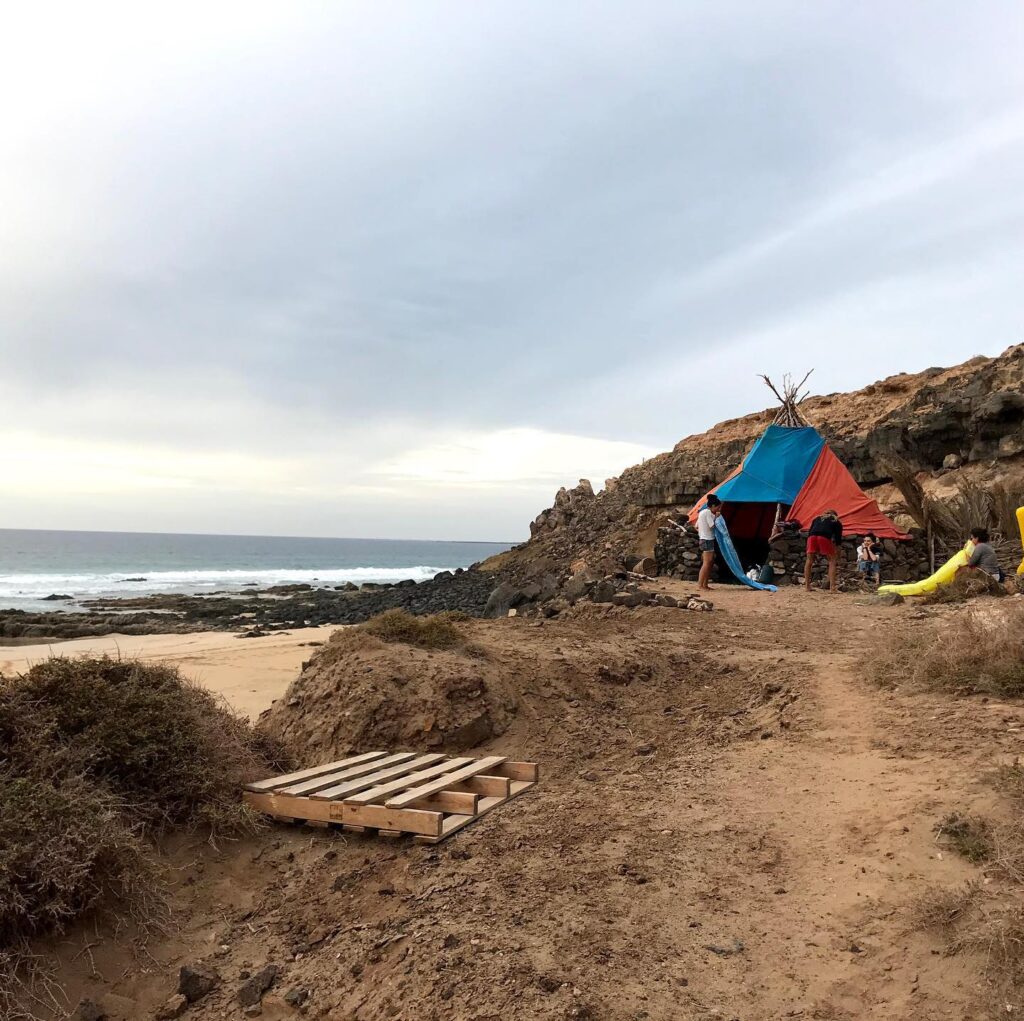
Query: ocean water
{"x": 34, "y": 564}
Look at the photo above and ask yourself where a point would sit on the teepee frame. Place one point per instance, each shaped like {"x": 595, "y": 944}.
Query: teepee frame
{"x": 789, "y": 414}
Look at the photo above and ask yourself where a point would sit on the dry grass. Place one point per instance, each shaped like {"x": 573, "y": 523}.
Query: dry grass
{"x": 434, "y": 632}
{"x": 973, "y": 653}
{"x": 97, "y": 756}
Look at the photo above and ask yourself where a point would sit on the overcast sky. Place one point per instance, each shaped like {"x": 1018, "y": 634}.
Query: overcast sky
{"x": 402, "y": 269}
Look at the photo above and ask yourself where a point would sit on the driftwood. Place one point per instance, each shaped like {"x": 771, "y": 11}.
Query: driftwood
{"x": 789, "y": 414}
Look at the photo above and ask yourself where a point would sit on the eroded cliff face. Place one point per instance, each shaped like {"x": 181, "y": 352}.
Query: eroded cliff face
{"x": 938, "y": 420}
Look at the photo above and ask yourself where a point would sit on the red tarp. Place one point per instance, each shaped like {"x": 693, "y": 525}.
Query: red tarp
{"x": 831, "y": 486}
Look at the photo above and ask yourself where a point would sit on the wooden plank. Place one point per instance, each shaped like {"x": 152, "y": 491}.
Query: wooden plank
{"x": 487, "y": 786}
{"x": 527, "y": 771}
{"x": 284, "y": 807}
{"x": 308, "y": 787}
{"x": 460, "y": 802}
{"x": 351, "y": 787}
{"x": 418, "y": 793}
{"x": 276, "y": 782}
{"x": 408, "y": 820}
{"x": 454, "y": 823}
{"x": 407, "y": 780}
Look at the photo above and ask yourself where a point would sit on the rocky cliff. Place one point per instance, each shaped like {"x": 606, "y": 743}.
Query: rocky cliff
{"x": 938, "y": 420}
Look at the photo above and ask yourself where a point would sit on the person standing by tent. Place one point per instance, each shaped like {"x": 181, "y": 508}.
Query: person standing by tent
{"x": 706, "y": 539}
{"x": 823, "y": 540}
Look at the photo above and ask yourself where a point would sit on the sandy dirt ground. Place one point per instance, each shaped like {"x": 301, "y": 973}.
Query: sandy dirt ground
{"x": 763, "y": 863}
{"x": 249, "y": 672}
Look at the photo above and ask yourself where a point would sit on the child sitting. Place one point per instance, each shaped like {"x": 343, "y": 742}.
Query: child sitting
{"x": 869, "y": 558}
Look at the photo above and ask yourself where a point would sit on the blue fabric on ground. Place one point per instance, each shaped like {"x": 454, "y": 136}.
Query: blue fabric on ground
{"x": 730, "y": 557}
{"x": 776, "y": 468}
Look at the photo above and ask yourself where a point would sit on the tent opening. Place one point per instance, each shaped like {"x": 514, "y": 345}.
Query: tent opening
{"x": 750, "y": 525}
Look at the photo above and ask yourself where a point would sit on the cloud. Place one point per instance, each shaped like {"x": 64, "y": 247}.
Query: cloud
{"x": 480, "y": 247}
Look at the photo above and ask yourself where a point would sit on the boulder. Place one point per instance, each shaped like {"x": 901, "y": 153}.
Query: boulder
{"x": 577, "y": 587}
{"x": 603, "y": 592}
{"x": 664, "y": 599}
{"x": 502, "y": 599}
{"x": 627, "y": 599}
{"x": 952, "y": 461}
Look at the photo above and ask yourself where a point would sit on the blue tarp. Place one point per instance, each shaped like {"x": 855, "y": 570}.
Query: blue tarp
{"x": 730, "y": 557}
{"x": 776, "y": 468}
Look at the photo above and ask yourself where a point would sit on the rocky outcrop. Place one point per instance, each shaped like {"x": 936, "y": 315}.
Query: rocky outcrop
{"x": 568, "y": 505}
{"x": 937, "y": 420}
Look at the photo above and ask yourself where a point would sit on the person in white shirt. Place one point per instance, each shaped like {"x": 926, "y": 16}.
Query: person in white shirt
{"x": 706, "y": 537}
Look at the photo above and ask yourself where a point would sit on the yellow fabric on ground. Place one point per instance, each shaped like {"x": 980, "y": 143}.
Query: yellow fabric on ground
{"x": 1020, "y": 525}
{"x": 943, "y": 576}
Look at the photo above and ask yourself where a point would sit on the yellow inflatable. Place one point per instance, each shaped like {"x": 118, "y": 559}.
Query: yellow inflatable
{"x": 1020, "y": 525}
{"x": 943, "y": 576}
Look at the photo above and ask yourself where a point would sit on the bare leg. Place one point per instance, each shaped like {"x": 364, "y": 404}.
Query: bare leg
{"x": 808, "y": 564}
{"x": 832, "y": 572}
{"x": 706, "y": 561}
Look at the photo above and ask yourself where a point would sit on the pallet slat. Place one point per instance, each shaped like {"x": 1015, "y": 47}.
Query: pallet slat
{"x": 406, "y": 781}
{"x": 308, "y": 787}
{"x": 276, "y": 782}
{"x": 417, "y": 793}
{"x": 344, "y": 790}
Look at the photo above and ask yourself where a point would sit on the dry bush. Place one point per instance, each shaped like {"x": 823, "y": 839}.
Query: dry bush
{"x": 170, "y": 750}
{"x": 97, "y": 756}
{"x": 965, "y": 586}
{"x": 974, "y": 653}
{"x": 969, "y": 835}
{"x": 944, "y": 908}
{"x": 434, "y": 632}
{"x": 995, "y": 932}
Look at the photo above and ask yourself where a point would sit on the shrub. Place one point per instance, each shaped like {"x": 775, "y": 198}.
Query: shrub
{"x": 435, "y": 632}
{"x": 972, "y": 653}
{"x": 97, "y": 755}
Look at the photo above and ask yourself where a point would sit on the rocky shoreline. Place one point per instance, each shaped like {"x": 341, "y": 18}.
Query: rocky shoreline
{"x": 251, "y": 610}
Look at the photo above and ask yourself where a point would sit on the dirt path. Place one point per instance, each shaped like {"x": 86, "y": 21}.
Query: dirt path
{"x": 763, "y": 864}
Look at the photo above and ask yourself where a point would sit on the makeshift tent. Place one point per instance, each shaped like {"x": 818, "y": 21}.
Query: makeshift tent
{"x": 793, "y": 473}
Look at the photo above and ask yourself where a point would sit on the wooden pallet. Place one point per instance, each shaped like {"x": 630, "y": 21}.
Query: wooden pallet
{"x": 431, "y": 796}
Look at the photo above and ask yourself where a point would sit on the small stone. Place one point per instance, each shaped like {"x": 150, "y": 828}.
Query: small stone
{"x": 172, "y": 1008}
{"x": 196, "y": 980}
{"x": 296, "y": 996}
{"x": 254, "y": 1010}
{"x": 252, "y": 991}
{"x": 645, "y": 749}
{"x": 590, "y": 776}
{"x": 89, "y": 1010}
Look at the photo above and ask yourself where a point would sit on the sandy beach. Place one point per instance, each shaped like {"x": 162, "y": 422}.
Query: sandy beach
{"x": 249, "y": 672}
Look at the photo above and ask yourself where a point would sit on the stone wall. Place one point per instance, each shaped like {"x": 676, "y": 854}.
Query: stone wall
{"x": 677, "y": 555}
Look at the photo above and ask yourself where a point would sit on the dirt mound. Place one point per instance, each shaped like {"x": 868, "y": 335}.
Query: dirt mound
{"x": 607, "y": 677}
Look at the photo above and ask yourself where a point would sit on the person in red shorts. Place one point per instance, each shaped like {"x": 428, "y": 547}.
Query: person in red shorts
{"x": 823, "y": 541}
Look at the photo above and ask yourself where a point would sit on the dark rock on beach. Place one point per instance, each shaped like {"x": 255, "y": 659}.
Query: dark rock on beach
{"x": 251, "y": 611}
